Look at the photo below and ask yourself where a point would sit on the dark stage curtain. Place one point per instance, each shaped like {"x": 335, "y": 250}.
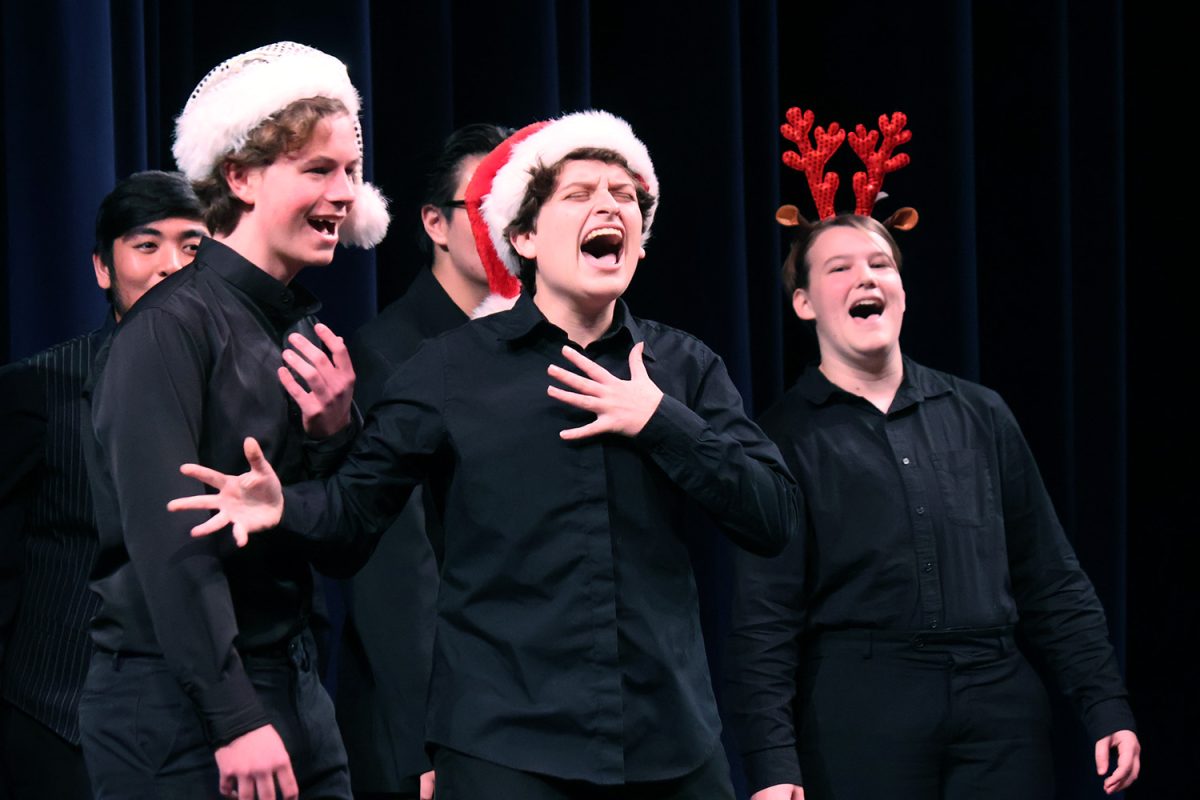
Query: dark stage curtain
{"x": 1034, "y": 168}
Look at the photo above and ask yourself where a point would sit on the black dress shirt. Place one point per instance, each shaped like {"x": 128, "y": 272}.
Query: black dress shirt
{"x": 189, "y": 374}
{"x": 47, "y": 514}
{"x": 391, "y": 604}
{"x": 568, "y": 639}
{"x": 932, "y": 517}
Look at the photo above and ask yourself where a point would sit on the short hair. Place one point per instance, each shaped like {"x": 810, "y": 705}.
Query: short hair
{"x": 796, "y": 267}
{"x": 543, "y": 180}
{"x": 476, "y": 139}
{"x": 285, "y": 131}
{"x": 141, "y": 198}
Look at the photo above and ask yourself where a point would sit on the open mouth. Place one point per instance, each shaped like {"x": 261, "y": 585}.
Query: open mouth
{"x": 865, "y": 309}
{"x": 324, "y": 226}
{"x": 604, "y": 245}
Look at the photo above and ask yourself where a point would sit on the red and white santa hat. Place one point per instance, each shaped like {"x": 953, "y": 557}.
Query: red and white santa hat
{"x": 501, "y": 180}
{"x": 239, "y": 94}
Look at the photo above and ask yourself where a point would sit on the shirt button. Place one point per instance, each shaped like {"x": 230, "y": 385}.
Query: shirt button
{"x": 905, "y": 461}
{"x": 933, "y": 626}
{"x": 919, "y": 644}
{"x": 286, "y": 298}
{"x": 920, "y": 509}
{"x": 928, "y": 567}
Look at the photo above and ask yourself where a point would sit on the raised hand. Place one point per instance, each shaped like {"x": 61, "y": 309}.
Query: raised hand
{"x": 620, "y": 406}
{"x": 325, "y": 405}
{"x": 251, "y": 502}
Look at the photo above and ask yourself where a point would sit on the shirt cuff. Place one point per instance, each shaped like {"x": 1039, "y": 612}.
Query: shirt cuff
{"x": 672, "y": 429}
{"x": 229, "y": 709}
{"x": 1107, "y": 717}
{"x": 322, "y": 456}
{"x": 772, "y": 767}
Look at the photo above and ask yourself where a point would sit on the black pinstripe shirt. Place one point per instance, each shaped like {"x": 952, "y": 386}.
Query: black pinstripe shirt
{"x": 49, "y": 527}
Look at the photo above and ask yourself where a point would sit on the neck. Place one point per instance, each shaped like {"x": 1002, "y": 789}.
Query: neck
{"x": 466, "y": 293}
{"x": 583, "y": 325}
{"x": 876, "y": 381}
{"x": 253, "y": 249}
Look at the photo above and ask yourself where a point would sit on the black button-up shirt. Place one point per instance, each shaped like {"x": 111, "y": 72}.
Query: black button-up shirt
{"x": 931, "y": 517}
{"x": 568, "y": 638}
{"x": 191, "y": 371}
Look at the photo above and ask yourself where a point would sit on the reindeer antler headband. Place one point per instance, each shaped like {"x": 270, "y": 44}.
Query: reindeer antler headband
{"x": 824, "y": 185}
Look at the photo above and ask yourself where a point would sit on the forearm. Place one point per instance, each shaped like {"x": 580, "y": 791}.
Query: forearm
{"x": 740, "y": 481}
{"x": 762, "y": 663}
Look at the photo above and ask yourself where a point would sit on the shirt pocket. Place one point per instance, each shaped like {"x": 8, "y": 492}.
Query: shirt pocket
{"x": 966, "y": 485}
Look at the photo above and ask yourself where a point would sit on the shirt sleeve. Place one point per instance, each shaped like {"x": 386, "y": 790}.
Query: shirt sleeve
{"x": 402, "y": 435}
{"x": 724, "y": 462}
{"x": 762, "y": 661}
{"x": 1059, "y": 611}
{"x": 148, "y": 415}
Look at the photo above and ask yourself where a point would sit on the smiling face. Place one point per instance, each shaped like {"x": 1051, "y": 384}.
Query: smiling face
{"x": 144, "y": 255}
{"x": 855, "y": 297}
{"x": 586, "y": 240}
{"x": 298, "y": 201}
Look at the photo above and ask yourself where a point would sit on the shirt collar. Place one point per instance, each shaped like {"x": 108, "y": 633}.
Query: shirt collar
{"x": 918, "y": 384}
{"x": 285, "y": 303}
{"x": 525, "y": 321}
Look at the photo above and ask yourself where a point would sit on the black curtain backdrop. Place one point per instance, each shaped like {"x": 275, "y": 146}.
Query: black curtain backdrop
{"x": 1039, "y": 141}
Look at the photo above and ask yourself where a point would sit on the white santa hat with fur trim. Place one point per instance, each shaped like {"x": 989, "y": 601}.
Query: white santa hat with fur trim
{"x": 239, "y": 94}
{"x": 501, "y": 180}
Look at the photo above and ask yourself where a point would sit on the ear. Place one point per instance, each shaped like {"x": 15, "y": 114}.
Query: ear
{"x": 103, "y": 277}
{"x": 801, "y": 305}
{"x": 436, "y": 225}
{"x": 524, "y": 244}
{"x": 243, "y": 181}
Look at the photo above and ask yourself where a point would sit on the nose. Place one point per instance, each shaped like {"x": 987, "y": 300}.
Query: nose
{"x": 866, "y": 275}
{"x": 340, "y": 187}
{"x": 176, "y": 260}
{"x": 605, "y": 202}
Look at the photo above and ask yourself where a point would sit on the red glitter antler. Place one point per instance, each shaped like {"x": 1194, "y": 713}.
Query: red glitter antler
{"x": 812, "y": 161}
{"x": 879, "y": 162}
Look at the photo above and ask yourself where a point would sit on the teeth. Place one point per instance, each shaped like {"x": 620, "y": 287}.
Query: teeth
{"x": 602, "y": 232}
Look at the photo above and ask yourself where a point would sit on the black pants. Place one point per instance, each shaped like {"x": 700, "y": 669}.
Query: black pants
{"x": 143, "y": 738}
{"x": 463, "y": 777}
{"x": 37, "y": 762}
{"x": 926, "y": 717}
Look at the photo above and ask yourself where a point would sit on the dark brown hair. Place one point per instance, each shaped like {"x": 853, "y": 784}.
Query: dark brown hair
{"x": 796, "y": 266}
{"x": 285, "y": 131}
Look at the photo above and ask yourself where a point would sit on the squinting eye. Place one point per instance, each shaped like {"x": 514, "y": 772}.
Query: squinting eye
{"x": 625, "y": 197}
{"x": 146, "y": 247}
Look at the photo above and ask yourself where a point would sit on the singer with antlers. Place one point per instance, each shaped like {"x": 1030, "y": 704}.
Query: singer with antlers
{"x": 563, "y": 440}
{"x": 876, "y": 656}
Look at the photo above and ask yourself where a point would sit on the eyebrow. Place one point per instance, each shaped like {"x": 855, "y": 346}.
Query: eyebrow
{"x": 320, "y": 158}
{"x": 582, "y": 184}
{"x": 147, "y": 230}
{"x": 850, "y": 257}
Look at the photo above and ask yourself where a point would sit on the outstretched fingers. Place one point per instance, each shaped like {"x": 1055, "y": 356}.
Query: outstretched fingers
{"x": 209, "y": 477}
{"x": 586, "y": 365}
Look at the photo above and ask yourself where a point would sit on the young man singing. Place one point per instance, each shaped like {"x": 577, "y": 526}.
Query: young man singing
{"x": 204, "y": 676}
